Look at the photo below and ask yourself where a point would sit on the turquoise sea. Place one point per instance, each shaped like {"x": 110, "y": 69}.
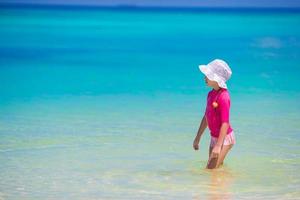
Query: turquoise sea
{"x": 99, "y": 103}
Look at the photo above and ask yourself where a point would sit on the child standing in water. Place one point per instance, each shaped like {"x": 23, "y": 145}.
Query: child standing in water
{"x": 216, "y": 115}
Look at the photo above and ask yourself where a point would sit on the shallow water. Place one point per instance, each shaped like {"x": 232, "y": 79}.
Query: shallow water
{"x": 103, "y": 104}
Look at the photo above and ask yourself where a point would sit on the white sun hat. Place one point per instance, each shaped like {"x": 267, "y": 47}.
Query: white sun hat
{"x": 217, "y": 70}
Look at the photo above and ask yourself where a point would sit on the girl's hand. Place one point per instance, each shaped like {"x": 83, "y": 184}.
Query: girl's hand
{"x": 216, "y": 151}
{"x": 196, "y": 144}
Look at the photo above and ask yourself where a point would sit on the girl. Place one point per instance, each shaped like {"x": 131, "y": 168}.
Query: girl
{"x": 216, "y": 115}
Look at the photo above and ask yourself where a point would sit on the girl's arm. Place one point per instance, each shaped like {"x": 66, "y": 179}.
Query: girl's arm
{"x": 223, "y": 133}
{"x": 201, "y": 129}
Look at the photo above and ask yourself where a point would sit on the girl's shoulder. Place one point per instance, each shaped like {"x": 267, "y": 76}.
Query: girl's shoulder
{"x": 224, "y": 95}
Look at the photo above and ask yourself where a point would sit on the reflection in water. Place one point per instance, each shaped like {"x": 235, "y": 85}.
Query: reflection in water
{"x": 219, "y": 183}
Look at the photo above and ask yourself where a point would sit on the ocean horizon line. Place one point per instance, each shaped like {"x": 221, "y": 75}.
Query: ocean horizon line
{"x": 124, "y": 7}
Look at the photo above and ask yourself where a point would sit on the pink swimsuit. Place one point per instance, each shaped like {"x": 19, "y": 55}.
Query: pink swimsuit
{"x": 215, "y": 116}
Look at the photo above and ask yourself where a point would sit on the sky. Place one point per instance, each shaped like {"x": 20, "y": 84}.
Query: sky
{"x": 168, "y": 3}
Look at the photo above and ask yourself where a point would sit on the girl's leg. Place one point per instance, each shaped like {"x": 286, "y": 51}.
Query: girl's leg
{"x": 210, "y": 150}
{"x": 209, "y": 154}
{"x": 225, "y": 149}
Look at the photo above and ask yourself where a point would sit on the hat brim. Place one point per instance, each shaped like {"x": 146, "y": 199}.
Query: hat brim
{"x": 211, "y": 76}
